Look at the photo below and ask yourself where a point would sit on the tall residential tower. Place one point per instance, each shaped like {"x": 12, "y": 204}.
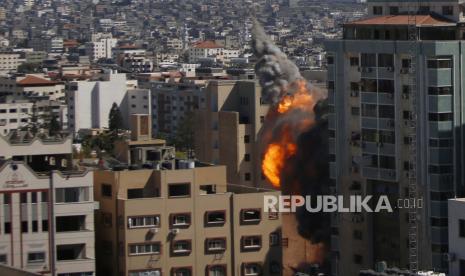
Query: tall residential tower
{"x": 396, "y": 95}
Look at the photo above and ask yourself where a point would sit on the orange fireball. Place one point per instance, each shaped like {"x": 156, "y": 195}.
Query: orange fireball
{"x": 283, "y": 147}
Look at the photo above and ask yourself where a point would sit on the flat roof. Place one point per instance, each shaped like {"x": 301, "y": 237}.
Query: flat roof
{"x": 393, "y": 20}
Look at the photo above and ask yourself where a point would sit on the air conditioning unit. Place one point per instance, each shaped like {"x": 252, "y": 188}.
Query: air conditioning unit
{"x": 153, "y": 230}
{"x": 174, "y": 231}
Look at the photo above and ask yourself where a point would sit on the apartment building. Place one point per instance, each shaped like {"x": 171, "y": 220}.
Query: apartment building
{"x": 227, "y": 130}
{"x": 204, "y": 49}
{"x": 90, "y": 101}
{"x": 192, "y": 227}
{"x": 17, "y": 113}
{"x": 48, "y": 221}
{"x": 101, "y": 48}
{"x": 370, "y": 79}
{"x": 181, "y": 218}
{"x": 173, "y": 102}
{"x": 32, "y": 85}
{"x": 9, "y": 62}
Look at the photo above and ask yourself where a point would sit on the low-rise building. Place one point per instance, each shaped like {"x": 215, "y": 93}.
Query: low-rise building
{"x": 48, "y": 226}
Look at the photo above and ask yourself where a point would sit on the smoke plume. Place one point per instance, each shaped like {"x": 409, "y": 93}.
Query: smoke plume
{"x": 294, "y": 134}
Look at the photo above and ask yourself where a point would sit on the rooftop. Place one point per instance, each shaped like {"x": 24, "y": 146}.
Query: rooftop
{"x": 399, "y": 20}
{"x": 34, "y": 80}
{"x": 206, "y": 45}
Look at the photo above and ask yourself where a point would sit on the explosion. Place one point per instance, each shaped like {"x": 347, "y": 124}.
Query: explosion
{"x": 284, "y": 147}
{"x": 295, "y": 138}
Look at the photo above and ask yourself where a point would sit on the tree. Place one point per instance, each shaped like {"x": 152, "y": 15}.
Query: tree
{"x": 184, "y": 139}
{"x": 54, "y": 126}
{"x": 115, "y": 120}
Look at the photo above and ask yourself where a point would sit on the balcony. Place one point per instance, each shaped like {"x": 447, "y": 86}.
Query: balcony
{"x": 379, "y": 174}
{"x": 442, "y": 103}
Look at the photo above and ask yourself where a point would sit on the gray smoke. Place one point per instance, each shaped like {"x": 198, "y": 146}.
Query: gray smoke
{"x": 307, "y": 172}
{"x": 274, "y": 70}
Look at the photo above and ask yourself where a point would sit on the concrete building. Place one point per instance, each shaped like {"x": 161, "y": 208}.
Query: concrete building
{"x": 90, "y": 101}
{"x": 204, "y": 49}
{"x": 227, "y": 130}
{"x": 456, "y": 223}
{"x": 101, "y": 48}
{"x": 32, "y": 85}
{"x": 173, "y": 102}
{"x": 48, "y": 226}
{"x": 9, "y": 62}
{"x": 370, "y": 95}
{"x": 17, "y": 113}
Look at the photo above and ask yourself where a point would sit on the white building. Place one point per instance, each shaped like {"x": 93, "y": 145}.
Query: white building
{"x": 90, "y": 102}
{"x": 456, "y": 256}
{"x": 101, "y": 48}
{"x": 17, "y": 113}
{"x": 9, "y": 62}
{"x": 204, "y": 49}
{"x": 49, "y": 223}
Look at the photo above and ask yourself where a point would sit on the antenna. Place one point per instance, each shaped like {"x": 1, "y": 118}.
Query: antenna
{"x": 412, "y": 190}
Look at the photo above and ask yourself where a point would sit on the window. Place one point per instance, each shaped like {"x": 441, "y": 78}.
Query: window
{"x": 354, "y": 62}
{"x": 439, "y": 222}
{"x": 386, "y": 86}
{"x": 36, "y": 257}
{"x": 406, "y": 63}
{"x": 23, "y": 197}
{"x": 447, "y": 10}
{"x": 144, "y": 221}
{"x": 216, "y": 270}
{"x": 274, "y": 239}
{"x": 462, "y": 228}
{"x": 355, "y": 111}
{"x": 3, "y": 259}
{"x": 181, "y": 247}
{"x": 385, "y": 60}
{"x": 246, "y": 139}
{"x": 368, "y": 60}
{"x": 330, "y": 60}
{"x": 462, "y": 267}
{"x": 358, "y": 259}
{"x": 181, "y": 271}
{"x": 444, "y": 90}
{"x": 393, "y": 10}
{"x": 24, "y": 227}
{"x": 251, "y": 243}
{"x": 44, "y": 225}
{"x": 215, "y": 218}
{"x": 250, "y": 269}
{"x": 207, "y": 189}
{"x": 357, "y": 234}
{"x": 150, "y": 272}
{"x": 72, "y": 223}
{"x": 247, "y": 157}
{"x": 247, "y": 176}
{"x": 180, "y": 220}
{"x": 441, "y": 117}
{"x": 179, "y": 190}
{"x": 135, "y": 193}
{"x": 439, "y": 63}
{"x": 144, "y": 248}
{"x": 250, "y": 215}
{"x": 69, "y": 195}
{"x": 213, "y": 245}
{"x": 377, "y": 10}
{"x": 106, "y": 190}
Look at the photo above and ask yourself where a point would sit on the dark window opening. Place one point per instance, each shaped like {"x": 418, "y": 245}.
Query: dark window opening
{"x": 179, "y": 190}
{"x": 70, "y": 223}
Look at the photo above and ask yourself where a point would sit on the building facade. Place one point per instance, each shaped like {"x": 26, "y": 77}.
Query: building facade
{"x": 182, "y": 220}
{"x": 227, "y": 130}
{"x": 48, "y": 221}
{"x": 370, "y": 96}
{"x": 456, "y": 224}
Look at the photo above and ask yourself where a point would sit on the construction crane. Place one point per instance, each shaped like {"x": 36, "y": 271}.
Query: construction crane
{"x": 412, "y": 177}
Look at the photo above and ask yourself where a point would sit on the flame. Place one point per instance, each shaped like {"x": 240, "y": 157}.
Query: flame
{"x": 284, "y": 147}
{"x": 275, "y": 158}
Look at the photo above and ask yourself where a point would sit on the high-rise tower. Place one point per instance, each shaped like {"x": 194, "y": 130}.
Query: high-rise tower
{"x": 396, "y": 123}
